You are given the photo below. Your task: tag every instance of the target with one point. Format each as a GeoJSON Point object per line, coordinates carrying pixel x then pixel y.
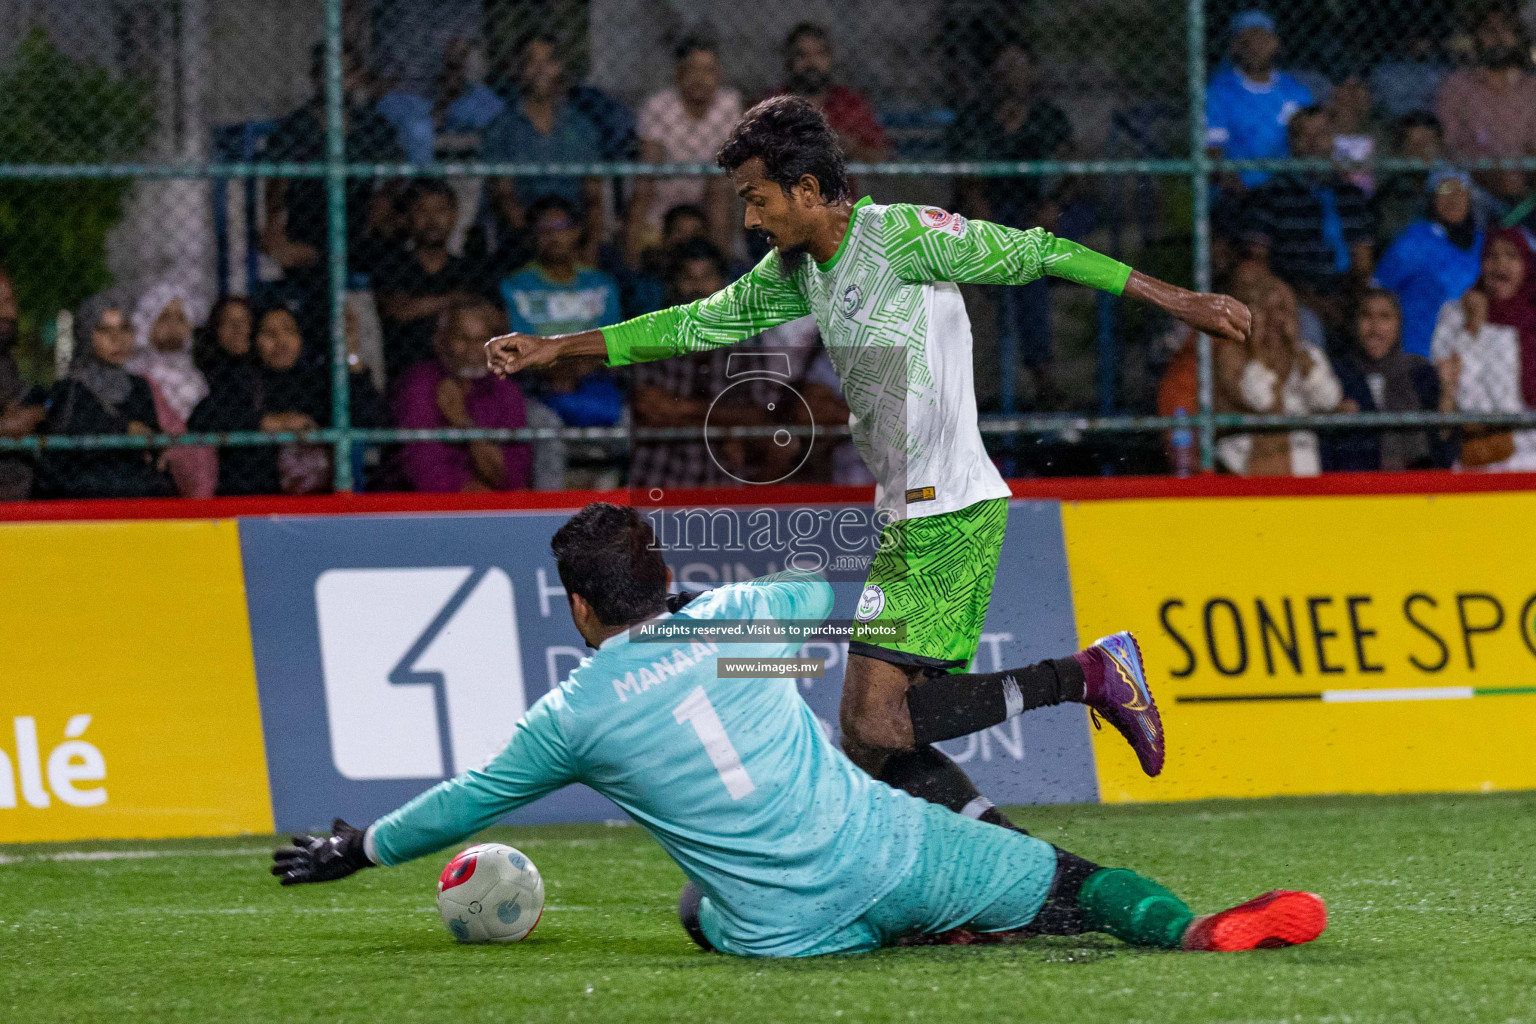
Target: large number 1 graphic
{"type": "Point", "coordinates": [697, 711]}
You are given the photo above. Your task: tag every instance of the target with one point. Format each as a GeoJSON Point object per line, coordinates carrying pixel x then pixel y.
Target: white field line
{"type": "Point", "coordinates": [1413, 693]}
{"type": "Point", "coordinates": [89, 855]}
{"type": "Point", "coordinates": [240, 851]}
{"type": "Point", "coordinates": [278, 910]}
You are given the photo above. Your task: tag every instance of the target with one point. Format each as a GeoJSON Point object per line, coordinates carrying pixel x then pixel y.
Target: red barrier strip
{"type": "Point", "coordinates": [413, 503]}
{"type": "Point", "coordinates": [1059, 488]}
{"type": "Point", "coordinates": [1215, 486]}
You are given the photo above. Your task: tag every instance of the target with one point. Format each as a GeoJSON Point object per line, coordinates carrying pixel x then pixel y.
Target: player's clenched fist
{"type": "Point", "coordinates": [1220, 316]}
{"type": "Point", "coordinates": [509, 353]}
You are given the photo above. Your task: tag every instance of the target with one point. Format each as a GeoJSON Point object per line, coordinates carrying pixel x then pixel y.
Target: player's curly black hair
{"type": "Point", "coordinates": [793, 139]}
{"type": "Point", "coordinates": [608, 554]}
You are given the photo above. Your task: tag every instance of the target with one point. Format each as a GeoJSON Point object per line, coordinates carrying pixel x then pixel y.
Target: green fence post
{"type": "Point", "coordinates": [336, 254]}
{"type": "Point", "coordinates": [1201, 223]}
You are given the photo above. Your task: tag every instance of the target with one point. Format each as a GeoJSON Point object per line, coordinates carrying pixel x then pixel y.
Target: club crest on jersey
{"type": "Point", "coordinates": [943, 220]}
{"type": "Point", "coordinates": [853, 298]}
{"type": "Point", "coordinates": [871, 603]}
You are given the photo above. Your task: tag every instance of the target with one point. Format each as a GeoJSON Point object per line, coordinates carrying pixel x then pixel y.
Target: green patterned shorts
{"type": "Point", "coordinates": [934, 574]}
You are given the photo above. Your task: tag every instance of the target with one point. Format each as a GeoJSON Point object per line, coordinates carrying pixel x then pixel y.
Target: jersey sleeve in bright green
{"type": "Point", "coordinates": [926, 244]}
{"type": "Point", "coordinates": [534, 762]}
{"type": "Point", "coordinates": [761, 299]}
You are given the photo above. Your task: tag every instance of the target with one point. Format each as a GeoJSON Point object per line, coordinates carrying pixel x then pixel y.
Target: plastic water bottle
{"type": "Point", "coordinates": [1182, 440]}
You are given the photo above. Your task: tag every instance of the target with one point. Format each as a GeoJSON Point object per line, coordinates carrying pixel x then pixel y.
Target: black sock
{"type": "Point", "coordinates": [993, 816]}
{"type": "Point", "coordinates": [1062, 914]}
{"type": "Point", "coordinates": [929, 775]}
{"type": "Point", "coordinates": [945, 707]}
{"type": "Point", "coordinates": [688, 915]}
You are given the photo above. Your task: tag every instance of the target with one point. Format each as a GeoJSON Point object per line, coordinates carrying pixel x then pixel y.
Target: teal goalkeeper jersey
{"type": "Point", "coordinates": [733, 777]}
{"type": "Point", "coordinates": [896, 329]}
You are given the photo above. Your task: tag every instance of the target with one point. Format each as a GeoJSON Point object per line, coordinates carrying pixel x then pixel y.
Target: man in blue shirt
{"type": "Point", "coordinates": [540, 126]}
{"type": "Point", "coordinates": [457, 104]}
{"type": "Point", "coordinates": [557, 294]}
{"type": "Point", "coordinates": [789, 849]}
{"type": "Point", "coordinates": [1249, 103]}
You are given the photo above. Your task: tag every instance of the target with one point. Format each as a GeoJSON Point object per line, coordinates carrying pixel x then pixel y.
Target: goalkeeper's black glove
{"type": "Point", "coordinates": [318, 859]}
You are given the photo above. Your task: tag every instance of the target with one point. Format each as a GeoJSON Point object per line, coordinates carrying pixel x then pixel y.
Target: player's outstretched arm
{"type": "Point", "coordinates": [534, 762]}
{"type": "Point", "coordinates": [512, 353]}
{"type": "Point", "coordinates": [1220, 316]}
{"type": "Point", "coordinates": [764, 297]}
{"type": "Point", "coordinates": [927, 244]}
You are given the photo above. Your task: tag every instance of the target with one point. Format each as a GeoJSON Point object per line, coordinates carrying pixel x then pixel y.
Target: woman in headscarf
{"type": "Point", "coordinates": [288, 392]}
{"type": "Point", "coordinates": [222, 347]}
{"type": "Point", "coordinates": [1378, 376]}
{"type": "Point", "coordinates": [1515, 306]}
{"type": "Point", "coordinates": [163, 324]}
{"type": "Point", "coordinates": [1482, 345]}
{"type": "Point", "coordinates": [100, 396]}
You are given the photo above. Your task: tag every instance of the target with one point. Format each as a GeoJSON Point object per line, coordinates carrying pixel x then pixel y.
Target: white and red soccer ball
{"type": "Point", "coordinates": [490, 893]}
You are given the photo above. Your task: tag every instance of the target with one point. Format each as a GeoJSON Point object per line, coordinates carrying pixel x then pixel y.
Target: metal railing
{"type": "Point", "coordinates": [1198, 168]}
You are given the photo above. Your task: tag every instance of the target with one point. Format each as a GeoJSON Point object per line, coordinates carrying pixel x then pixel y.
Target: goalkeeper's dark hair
{"type": "Point", "coordinates": [793, 139]}
{"type": "Point", "coordinates": [608, 554]}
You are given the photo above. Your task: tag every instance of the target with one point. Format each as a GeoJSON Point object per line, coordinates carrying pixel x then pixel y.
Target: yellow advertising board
{"type": "Point", "coordinates": [1319, 645]}
{"type": "Point", "coordinates": [128, 700]}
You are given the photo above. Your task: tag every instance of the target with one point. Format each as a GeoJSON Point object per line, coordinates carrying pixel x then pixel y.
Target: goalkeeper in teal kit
{"type": "Point", "coordinates": [881, 282]}
{"type": "Point", "coordinates": [790, 850]}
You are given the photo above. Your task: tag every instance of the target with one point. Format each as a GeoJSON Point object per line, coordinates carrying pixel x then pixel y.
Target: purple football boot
{"type": "Point", "coordinates": [1116, 689]}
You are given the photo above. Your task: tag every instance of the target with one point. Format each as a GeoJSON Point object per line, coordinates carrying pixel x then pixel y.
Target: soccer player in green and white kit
{"type": "Point", "coordinates": [881, 282]}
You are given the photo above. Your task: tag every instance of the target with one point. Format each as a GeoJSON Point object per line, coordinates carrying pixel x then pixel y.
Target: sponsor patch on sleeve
{"type": "Point", "coordinates": [942, 220]}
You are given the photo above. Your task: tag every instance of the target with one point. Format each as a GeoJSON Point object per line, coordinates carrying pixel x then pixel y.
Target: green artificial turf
{"type": "Point", "coordinates": [1432, 919]}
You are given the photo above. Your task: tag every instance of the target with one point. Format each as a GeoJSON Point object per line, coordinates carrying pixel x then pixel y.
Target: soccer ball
{"type": "Point", "coordinates": [490, 893]}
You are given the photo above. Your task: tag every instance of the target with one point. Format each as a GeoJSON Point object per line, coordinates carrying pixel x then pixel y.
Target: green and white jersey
{"type": "Point", "coordinates": [895, 327]}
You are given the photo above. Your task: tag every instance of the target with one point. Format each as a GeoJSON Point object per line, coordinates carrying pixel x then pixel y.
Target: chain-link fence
{"type": "Point", "coordinates": [254, 248]}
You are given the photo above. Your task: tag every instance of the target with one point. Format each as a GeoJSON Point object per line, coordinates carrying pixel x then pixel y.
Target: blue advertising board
{"type": "Point", "coordinates": [395, 651]}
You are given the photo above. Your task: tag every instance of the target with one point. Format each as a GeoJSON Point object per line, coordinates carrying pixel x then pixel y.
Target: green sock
{"type": "Point", "coordinates": [1133, 909]}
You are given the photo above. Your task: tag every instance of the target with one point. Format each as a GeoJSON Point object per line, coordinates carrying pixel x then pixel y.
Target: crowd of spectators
{"type": "Point", "coordinates": [1376, 292]}
{"type": "Point", "coordinates": [1373, 291]}
{"type": "Point", "coordinates": [436, 267]}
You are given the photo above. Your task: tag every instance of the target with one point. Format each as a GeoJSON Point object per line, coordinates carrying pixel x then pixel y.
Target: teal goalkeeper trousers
{"type": "Point", "coordinates": [967, 874]}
